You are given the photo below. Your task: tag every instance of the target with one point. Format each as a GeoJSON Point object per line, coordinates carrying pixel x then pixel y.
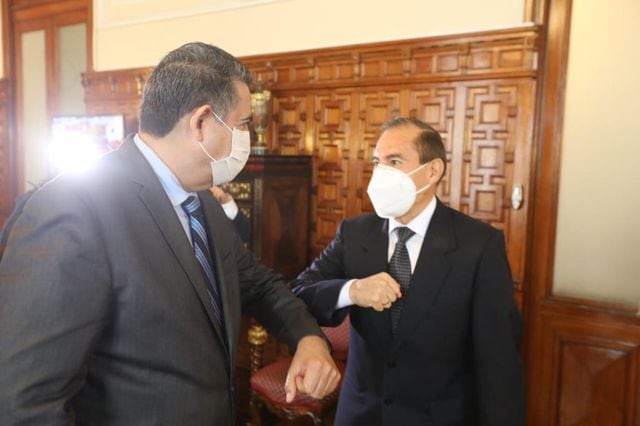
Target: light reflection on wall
{"type": "Point", "coordinates": [78, 141]}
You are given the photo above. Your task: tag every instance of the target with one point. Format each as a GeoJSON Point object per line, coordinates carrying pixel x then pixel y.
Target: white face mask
{"type": "Point", "coordinates": [225, 170]}
{"type": "Point", "coordinates": [392, 191]}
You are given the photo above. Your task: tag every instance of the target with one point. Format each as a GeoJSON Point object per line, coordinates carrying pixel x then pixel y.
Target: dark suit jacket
{"type": "Point", "coordinates": [242, 226]}
{"type": "Point", "coordinates": [104, 315]}
{"type": "Point", "coordinates": [453, 359]}
{"type": "Point", "coordinates": [11, 220]}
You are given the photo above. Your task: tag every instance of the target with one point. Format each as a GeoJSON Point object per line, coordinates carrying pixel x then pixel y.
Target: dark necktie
{"type": "Point", "coordinates": [400, 270]}
{"type": "Point", "coordinates": [191, 206]}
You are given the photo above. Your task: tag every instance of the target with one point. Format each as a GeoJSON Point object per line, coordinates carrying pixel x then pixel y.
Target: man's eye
{"type": "Point", "coordinates": [395, 162]}
{"type": "Point", "coordinates": [243, 126]}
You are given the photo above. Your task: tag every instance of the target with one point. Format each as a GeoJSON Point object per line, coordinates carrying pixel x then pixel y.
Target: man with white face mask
{"type": "Point", "coordinates": [434, 327]}
{"type": "Point", "coordinates": [122, 288]}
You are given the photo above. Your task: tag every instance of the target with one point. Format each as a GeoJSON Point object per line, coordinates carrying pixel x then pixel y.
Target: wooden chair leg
{"type": "Point", "coordinates": [255, 410]}
{"type": "Point", "coordinates": [257, 337]}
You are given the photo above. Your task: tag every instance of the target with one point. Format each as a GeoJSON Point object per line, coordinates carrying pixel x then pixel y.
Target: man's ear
{"type": "Point", "coordinates": [437, 170]}
{"type": "Point", "coordinates": [197, 120]}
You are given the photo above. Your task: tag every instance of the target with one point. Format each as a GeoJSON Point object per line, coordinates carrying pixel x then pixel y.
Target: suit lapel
{"type": "Point", "coordinates": [216, 224]}
{"type": "Point", "coordinates": [375, 247]}
{"type": "Point", "coordinates": [161, 210]}
{"type": "Point", "coordinates": [429, 275]}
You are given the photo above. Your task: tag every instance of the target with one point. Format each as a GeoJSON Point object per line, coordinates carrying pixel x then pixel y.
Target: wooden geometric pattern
{"type": "Point", "coordinates": [592, 392]}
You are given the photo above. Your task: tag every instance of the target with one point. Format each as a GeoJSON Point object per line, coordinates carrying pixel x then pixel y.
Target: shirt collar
{"type": "Point", "coordinates": [418, 224]}
{"type": "Point", "coordinates": [177, 195]}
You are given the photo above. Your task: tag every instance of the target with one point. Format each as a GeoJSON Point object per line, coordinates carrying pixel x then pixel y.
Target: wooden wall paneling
{"type": "Point", "coordinates": [501, 53]}
{"type": "Point", "coordinates": [375, 106]}
{"type": "Point", "coordinates": [116, 92]}
{"type": "Point", "coordinates": [289, 124]}
{"type": "Point", "coordinates": [591, 373]}
{"type": "Point", "coordinates": [496, 155]}
{"type": "Point", "coordinates": [437, 104]}
{"type": "Point", "coordinates": [332, 117]}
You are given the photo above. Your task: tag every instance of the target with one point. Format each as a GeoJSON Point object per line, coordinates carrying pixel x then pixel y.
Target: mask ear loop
{"type": "Point", "coordinates": [220, 120]}
{"type": "Point", "coordinates": [418, 168]}
{"type": "Point", "coordinates": [424, 188]}
{"type": "Point", "coordinates": [225, 125]}
{"type": "Point", "coordinates": [206, 153]}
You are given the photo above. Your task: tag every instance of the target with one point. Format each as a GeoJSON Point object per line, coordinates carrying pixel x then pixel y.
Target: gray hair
{"type": "Point", "coordinates": [188, 77]}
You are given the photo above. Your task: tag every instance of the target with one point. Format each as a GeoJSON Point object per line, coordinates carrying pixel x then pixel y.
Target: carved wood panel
{"type": "Point", "coordinates": [436, 105]}
{"type": "Point", "coordinates": [375, 106]}
{"type": "Point", "coordinates": [495, 154]}
{"type": "Point", "coordinates": [589, 370]}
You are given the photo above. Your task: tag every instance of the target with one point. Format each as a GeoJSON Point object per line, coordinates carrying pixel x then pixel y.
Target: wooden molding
{"type": "Point", "coordinates": [473, 56]}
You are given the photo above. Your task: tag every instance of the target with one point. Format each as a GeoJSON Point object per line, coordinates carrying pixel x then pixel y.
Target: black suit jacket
{"type": "Point", "coordinates": [104, 316]}
{"type": "Point", "coordinates": [453, 359]}
{"type": "Point", "coordinates": [242, 225]}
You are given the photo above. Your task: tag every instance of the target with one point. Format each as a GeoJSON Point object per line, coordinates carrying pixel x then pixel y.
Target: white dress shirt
{"type": "Point", "coordinates": [177, 195]}
{"type": "Point", "coordinates": [419, 225]}
{"type": "Point", "coordinates": [230, 208]}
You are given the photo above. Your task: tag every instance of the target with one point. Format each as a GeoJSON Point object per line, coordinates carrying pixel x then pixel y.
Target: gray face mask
{"type": "Point", "coordinates": [226, 169]}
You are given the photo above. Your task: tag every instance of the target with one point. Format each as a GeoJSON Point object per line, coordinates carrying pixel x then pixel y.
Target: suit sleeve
{"type": "Point", "coordinates": [55, 291]}
{"type": "Point", "coordinates": [265, 295]}
{"type": "Point", "coordinates": [496, 325]}
{"type": "Point", "coordinates": [243, 226]}
{"type": "Point", "coordinates": [319, 285]}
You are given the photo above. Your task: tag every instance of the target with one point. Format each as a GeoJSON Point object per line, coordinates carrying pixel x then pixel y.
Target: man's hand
{"type": "Point", "coordinates": [220, 194]}
{"type": "Point", "coordinates": [378, 291]}
{"type": "Point", "coordinates": [312, 370]}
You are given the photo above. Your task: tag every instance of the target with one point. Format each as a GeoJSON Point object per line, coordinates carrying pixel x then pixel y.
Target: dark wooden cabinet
{"type": "Point", "coordinates": [273, 191]}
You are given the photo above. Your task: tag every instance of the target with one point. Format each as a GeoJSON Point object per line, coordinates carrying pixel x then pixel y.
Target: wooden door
{"type": "Point", "coordinates": [39, 64]}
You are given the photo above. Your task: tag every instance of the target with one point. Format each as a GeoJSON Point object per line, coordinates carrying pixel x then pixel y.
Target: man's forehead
{"type": "Point", "coordinates": [396, 142]}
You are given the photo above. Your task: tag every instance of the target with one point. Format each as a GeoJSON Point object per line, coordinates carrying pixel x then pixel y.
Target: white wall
{"type": "Point", "coordinates": [130, 34]}
{"type": "Point", "coordinates": [598, 238]}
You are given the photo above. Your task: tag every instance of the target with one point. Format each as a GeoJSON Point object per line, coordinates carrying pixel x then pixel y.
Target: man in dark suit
{"type": "Point", "coordinates": [429, 292]}
{"type": "Point", "coordinates": [241, 223]}
{"type": "Point", "coordinates": [122, 287]}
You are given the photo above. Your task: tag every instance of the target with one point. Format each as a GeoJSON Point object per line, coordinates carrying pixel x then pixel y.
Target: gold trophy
{"type": "Point", "coordinates": [260, 110]}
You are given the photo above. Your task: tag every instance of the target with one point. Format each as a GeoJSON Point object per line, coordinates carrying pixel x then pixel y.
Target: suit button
{"type": "Point", "coordinates": [391, 364]}
{"type": "Point", "coordinates": [387, 401]}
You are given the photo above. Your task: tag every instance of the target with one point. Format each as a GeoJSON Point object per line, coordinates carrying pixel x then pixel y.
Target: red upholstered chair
{"type": "Point", "coordinates": [267, 384]}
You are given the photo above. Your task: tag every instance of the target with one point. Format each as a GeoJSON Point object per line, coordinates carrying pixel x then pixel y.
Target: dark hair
{"type": "Point", "coordinates": [428, 143]}
{"type": "Point", "coordinates": [190, 76]}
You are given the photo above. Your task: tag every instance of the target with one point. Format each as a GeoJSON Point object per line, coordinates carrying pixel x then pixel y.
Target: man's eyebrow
{"type": "Point", "coordinates": [245, 120]}
{"type": "Point", "coordinates": [392, 156]}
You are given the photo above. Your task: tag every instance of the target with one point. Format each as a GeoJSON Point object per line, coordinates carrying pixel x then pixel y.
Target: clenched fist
{"type": "Point", "coordinates": [378, 291]}
{"type": "Point", "coordinates": [312, 370]}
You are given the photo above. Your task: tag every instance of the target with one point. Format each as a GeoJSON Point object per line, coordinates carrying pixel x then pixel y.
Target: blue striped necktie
{"type": "Point", "coordinates": [400, 270]}
{"type": "Point", "coordinates": [191, 206]}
